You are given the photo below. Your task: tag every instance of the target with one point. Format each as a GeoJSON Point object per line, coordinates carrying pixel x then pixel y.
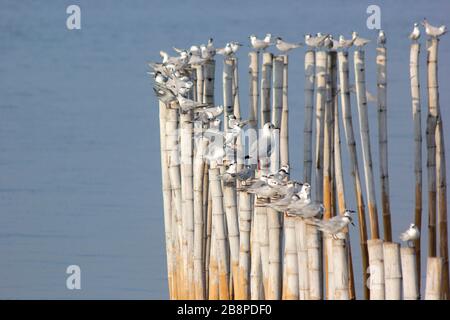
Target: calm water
{"type": "Point", "coordinates": [79, 139]}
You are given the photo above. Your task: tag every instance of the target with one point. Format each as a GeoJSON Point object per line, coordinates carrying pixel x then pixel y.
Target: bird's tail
{"type": "Point", "coordinates": [404, 236]}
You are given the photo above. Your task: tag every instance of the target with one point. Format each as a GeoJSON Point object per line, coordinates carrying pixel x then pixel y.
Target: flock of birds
{"type": "Point", "coordinates": [173, 83]}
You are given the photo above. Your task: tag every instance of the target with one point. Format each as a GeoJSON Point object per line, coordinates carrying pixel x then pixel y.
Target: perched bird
{"type": "Point", "coordinates": [305, 210]}
{"type": "Point", "coordinates": [235, 46]}
{"type": "Point", "coordinates": [284, 46]}
{"type": "Point", "coordinates": [415, 34]}
{"type": "Point", "coordinates": [315, 42]}
{"type": "Point", "coordinates": [432, 31]}
{"type": "Point", "coordinates": [334, 226]}
{"type": "Point", "coordinates": [244, 174]}
{"type": "Point", "coordinates": [381, 38]}
{"type": "Point", "coordinates": [208, 51]}
{"type": "Point", "coordinates": [267, 190]}
{"type": "Point", "coordinates": [410, 235]}
{"type": "Point", "coordinates": [188, 104]}
{"type": "Point", "coordinates": [282, 204]}
{"type": "Point", "coordinates": [229, 175]}
{"type": "Point", "coordinates": [232, 121]}
{"type": "Point", "coordinates": [282, 174]}
{"type": "Point", "coordinates": [226, 51]}
{"type": "Point", "coordinates": [259, 44]}
{"type": "Point", "coordinates": [207, 114]}
{"type": "Point", "coordinates": [345, 44]}
{"type": "Point", "coordinates": [262, 147]}
{"type": "Point", "coordinates": [163, 94]}
{"type": "Point", "coordinates": [358, 41]}
{"type": "Point", "coordinates": [329, 42]}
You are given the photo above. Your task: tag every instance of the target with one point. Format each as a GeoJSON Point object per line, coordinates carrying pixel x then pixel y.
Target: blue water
{"type": "Point", "coordinates": [79, 138]}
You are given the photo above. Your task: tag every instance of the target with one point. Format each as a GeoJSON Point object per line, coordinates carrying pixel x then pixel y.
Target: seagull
{"type": "Point", "coordinates": [283, 173]}
{"type": "Point", "coordinates": [267, 190]}
{"type": "Point", "coordinates": [284, 46]}
{"type": "Point", "coordinates": [207, 114]}
{"type": "Point", "coordinates": [163, 94]}
{"type": "Point", "coordinates": [262, 147]}
{"type": "Point", "coordinates": [232, 121]}
{"type": "Point", "coordinates": [235, 46]}
{"type": "Point", "coordinates": [415, 34]}
{"type": "Point", "coordinates": [229, 174]}
{"type": "Point", "coordinates": [244, 174]}
{"type": "Point", "coordinates": [259, 44]}
{"type": "Point", "coordinates": [345, 44]}
{"type": "Point", "coordinates": [329, 42]}
{"type": "Point", "coordinates": [226, 51]}
{"type": "Point", "coordinates": [315, 42]}
{"type": "Point", "coordinates": [432, 31]}
{"type": "Point", "coordinates": [410, 235]}
{"type": "Point", "coordinates": [208, 51]}
{"type": "Point", "coordinates": [334, 226]}
{"type": "Point", "coordinates": [358, 41]}
{"type": "Point", "coordinates": [305, 210]}
{"type": "Point", "coordinates": [188, 104]}
{"type": "Point", "coordinates": [282, 204]}
{"type": "Point", "coordinates": [381, 38]}
{"type": "Point", "coordinates": [160, 78]}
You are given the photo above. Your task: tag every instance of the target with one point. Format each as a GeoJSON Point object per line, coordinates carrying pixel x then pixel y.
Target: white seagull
{"type": "Point", "coordinates": [410, 235]}
{"type": "Point", "coordinates": [259, 44]}
{"type": "Point", "coordinates": [381, 38]}
{"type": "Point", "coordinates": [432, 31]}
{"type": "Point", "coordinates": [284, 46]}
{"type": "Point", "coordinates": [334, 226]}
{"type": "Point", "coordinates": [358, 41]}
{"type": "Point", "coordinates": [415, 34]}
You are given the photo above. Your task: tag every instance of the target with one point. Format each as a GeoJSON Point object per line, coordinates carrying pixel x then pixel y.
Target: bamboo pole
{"type": "Point", "coordinates": [327, 183]}
{"type": "Point", "coordinates": [263, 239]}
{"type": "Point", "coordinates": [340, 271]}
{"type": "Point", "coordinates": [392, 271]}
{"type": "Point", "coordinates": [417, 116]}
{"type": "Point", "coordinates": [433, 288]}
{"type": "Point", "coordinates": [284, 131]}
{"type": "Point", "coordinates": [314, 262]}
{"type": "Point", "coordinates": [187, 199]}
{"type": "Point", "coordinates": [442, 197]}
{"type": "Point", "coordinates": [290, 272]}
{"type": "Point", "coordinates": [365, 140]}
{"type": "Point", "coordinates": [256, 279]}
{"type": "Point", "coordinates": [213, 282]}
{"type": "Point", "coordinates": [410, 276]}
{"type": "Point", "coordinates": [265, 87]}
{"type": "Point", "coordinates": [245, 221]}
{"type": "Point", "coordinates": [253, 75]}
{"type": "Point", "coordinates": [207, 205]}
{"type": "Point", "coordinates": [383, 140]}
{"type": "Point", "coordinates": [199, 270]}
{"type": "Point", "coordinates": [321, 76]}
{"type": "Point", "coordinates": [433, 113]}
{"type": "Point", "coordinates": [167, 199]}
{"type": "Point", "coordinates": [209, 68]}
{"type": "Point", "coordinates": [302, 259]}
{"type": "Point", "coordinates": [172, 121]}
{"type": "Point", "coordinates": [274, 272]}
{"type": "Point", "coordinates": [341, 199]}
{"type": "Point", "coordinates": [219, 229]}
{"type": "Point", "coordinates": [351, 144]}
{"type": "Point", "coordinates": [308, 122]}
{"type": "Point", "coordinates": [376, 262]}
{"type": "Point", "coordinates": [227, 83]}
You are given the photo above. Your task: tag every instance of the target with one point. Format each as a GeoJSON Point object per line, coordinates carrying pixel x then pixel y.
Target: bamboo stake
{"type": "Point", "coordinates": [321, 76]}
{"type": "Point", "coordinates": [341, 199]}
{"type": "Point", "coordinates": [274, 276]}
{"type": "Point", "coordinates": [277, 105]}
{"type": "Point", "coordinates": [392, 271]}
{"type": "Point", "coordinates": [383, 140]}
{"type": "Point", "coordinates": [207, 205]}
{"type": "Point", "coordinates": [365, 140]}
{"type": "Point", "coordinates": [417, 116]}
{"type": "Point", "coordinates": [213, 271]}
{"type": "Point", "coordinates": [290, 272]}
{"type": "Point", "coordinates": [376, 262]}
{"type": "Point", "coordinates": [340, 271]}
{"type": "Point", "coordinates": [227, 83]}
{"type": "Point", "coordinates": [256, 286]}
{"type": "Point", "coordinates": [351, 144]}
{"type": "Point", "coordinates": [199, 271]}
{"type": "Point", "coordinates": [209, 68]}
{"type": "Point", "coordinates": [327, 184]}
{"type": "Point", "coordinates": [410, 276]}
{"type": "Point", "coordinates": [302, 260]}
{"type": "Point", "coordinates": [433, 113]}
{"type": "Point", "coordinates": [245, 221]}
{"type": "Point", "coordinates": [219, 229]}
{"type": "Point", "coordinates": [265, 87]}
{"type": "Point", "coordinates": [253, 73]}
{"type": "Point", "coordinates": [167, 199]}
{"type": "Point", "coordinates": [314, 262]}
{"type": "Point", "coordinates": [263, 239]}
{"type": "Point", "coordinates": [433, 288]}
{"type": "Point", "coordinates": [442, 197]}
{"type": "Point", "coordinates": [284, 132]}
{"type": "Point", "coordinates": [309, 103]}
{"type": "Point", "coordinates": [187, 198]}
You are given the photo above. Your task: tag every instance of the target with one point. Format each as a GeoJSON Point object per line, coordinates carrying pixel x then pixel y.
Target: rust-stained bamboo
{"type": "Point", "coordinates": [417, 120]}
{"type": "Point", "coordinates": [442, 206]}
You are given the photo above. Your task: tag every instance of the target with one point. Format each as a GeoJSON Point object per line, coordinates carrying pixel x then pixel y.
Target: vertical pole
{"type": "Point", "coordinates": [308, 122]}
{"type": "Point", "coordinates": [433, 288]}
{"type": "Point", "coordinates": [392, 271]}
{"type": "Point", "coordinates": [410, 276]}
{"type": "Point", "coordinates": [376, 262]}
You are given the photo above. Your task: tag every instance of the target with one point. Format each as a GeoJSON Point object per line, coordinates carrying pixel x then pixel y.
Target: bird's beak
{"type": "Point", "coordinates": [352, 223]}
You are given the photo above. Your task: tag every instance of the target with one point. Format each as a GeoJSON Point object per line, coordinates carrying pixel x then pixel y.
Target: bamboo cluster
{"type": "Point", "coordinates": [228, 239]}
